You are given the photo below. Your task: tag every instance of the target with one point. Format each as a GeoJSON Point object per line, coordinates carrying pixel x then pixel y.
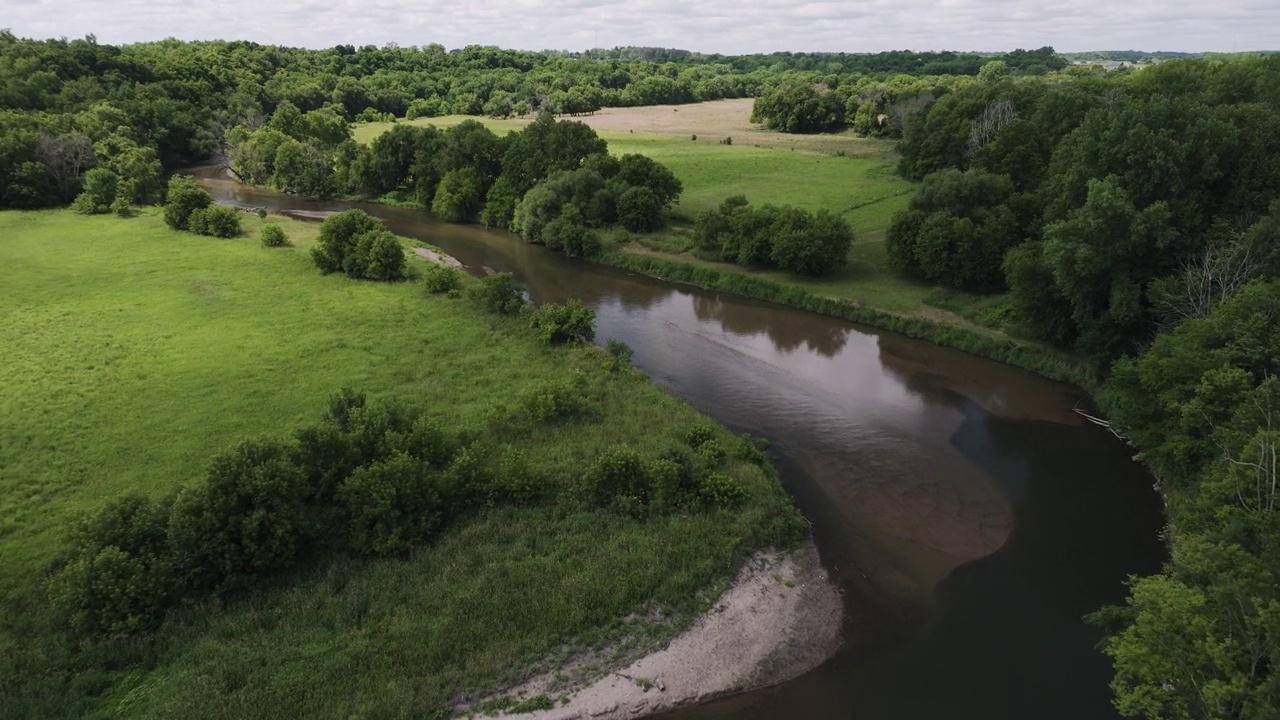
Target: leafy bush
{"type": "Point", "coordinates": [245, 518]}
{"type": "Point", "coordinates": [274, 236]}
{"type": "Point", "coordinates": [711, 454]}
{"type": "Point", "coordinates": [441, 278]}
{"type": "Point", "coordinates": [498, 293]}
{"type": "Point", "coordinates": [339, 235]}
{"type": "Point", "coordinates": [99, 192]}
{"type": "Point", "coordinates": [355, 243]}
{"type": "Point", "coordinates": [720, 489]}
{"type": "Point", "coordinates": [389, 505]}
{"type": "Point", "coordinates": [619, 477]}
{"type": "Point", "coordinates": [556, 400]}
{"type": "Point", "coordinates": [570, 322]}
{"type": "Point", "coordinates": [700, 433]}
{"type": "Point", "coordinates": [184, 197]}
{"type": "Point", "coordinates": [378, 256]}
{"type": "Point", "coordinates": [215, 220]}
{"type": "Point", "coordinates": [120, 575]}
{"type": "Point", "coordinates": [113, 593]}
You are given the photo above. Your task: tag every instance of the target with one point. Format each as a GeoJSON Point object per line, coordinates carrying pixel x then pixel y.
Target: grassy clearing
{"type": "Point", "coordinates": [136, 353]}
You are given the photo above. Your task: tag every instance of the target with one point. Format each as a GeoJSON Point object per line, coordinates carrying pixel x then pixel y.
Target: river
{"type": "Point", "coordinates": [968, 515]}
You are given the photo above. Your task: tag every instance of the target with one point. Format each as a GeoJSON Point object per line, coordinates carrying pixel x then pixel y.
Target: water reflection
{"type": "Point", "coordinates": [968, 515]}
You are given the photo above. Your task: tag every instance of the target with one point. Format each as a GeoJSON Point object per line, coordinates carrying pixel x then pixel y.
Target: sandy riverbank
{"type": "Point", "coordinates": [780, 618]}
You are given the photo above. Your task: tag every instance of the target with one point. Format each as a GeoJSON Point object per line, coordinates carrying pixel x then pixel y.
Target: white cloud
{"type": "Point", "coordinates": [726, 26]}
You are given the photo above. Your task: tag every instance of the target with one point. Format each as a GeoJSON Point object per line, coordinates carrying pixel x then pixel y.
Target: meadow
{"type": "Point", "coordinates": [135, 354]}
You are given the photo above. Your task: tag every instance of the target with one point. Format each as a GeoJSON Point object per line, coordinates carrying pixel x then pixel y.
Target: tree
{"type": "Point", "coordinates": [1103, 256]}
{"type": "Point", "coordinates": [956, 230]}
{"type": "Point", "coordinates": [498, 293]}
{"type": "Point", "coordinates": [99, 192]}
{"type": "Point", "coordinates": [813, 246]}
{"type": "Point", "coordinates": [643, 171]}
{"type": "Point", "coordinates": [459, 195]}
{"type": "Point", "coordinates": [184, 197]}
{"type": "Point", "coordinates": [64, 158]}
{"type": "Point", "coordinates": [640, 209]}
{"type": "Point", "coordinates": [339, 235]}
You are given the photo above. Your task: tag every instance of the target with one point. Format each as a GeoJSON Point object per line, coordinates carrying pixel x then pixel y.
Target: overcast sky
{"type": "Point", "coordinates": [724, 26]}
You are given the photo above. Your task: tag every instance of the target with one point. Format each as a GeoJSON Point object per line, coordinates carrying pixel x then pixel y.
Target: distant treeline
{"type": "Point", "coordinates": [67, 106]}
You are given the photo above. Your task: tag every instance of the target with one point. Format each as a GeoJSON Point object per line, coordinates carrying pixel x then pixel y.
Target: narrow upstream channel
{"type": "Point", "coordinates": [969, 516]}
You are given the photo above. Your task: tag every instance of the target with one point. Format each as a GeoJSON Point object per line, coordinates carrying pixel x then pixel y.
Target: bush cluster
{"type": "Point", "coordinates": [787, 238]}
{"type": "Point", "coordinates": [682, 477]}
{"type": "Point", "coordinates": [215, 220]}
{"type": "Point", "coordinates": [498, 293]}
{"type": "Point", "coordinates": [370, 479]}
{"type": "Point", "coordinates": [570, 322]}
{"type": "Point", "coordinates": [355, 243]}
{"type": "Point", "coordinates": [441, 278]}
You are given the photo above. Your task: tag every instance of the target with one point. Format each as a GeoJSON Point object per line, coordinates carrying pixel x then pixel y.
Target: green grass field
{"type": "Point", "coordinates": [134, 354]}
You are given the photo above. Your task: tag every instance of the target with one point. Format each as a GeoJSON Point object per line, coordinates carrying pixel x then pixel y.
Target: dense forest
{"type": "Point", "coordinates": [1130, 219]}
{"type": "Point", "coordinates": [1133, 220]}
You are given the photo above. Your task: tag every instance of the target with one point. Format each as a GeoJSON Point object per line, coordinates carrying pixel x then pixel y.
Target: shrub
{"type": "Point", "coordinates": [441, 278]}
{"type": "Point", "coordinates": [557, 400]}
{"type": "Point", "coordinates": [215, 220]}
{"type": "Point", "coordinates": [184, 196]}
{"type": "Point", "coordinates": [720, 489]}
{"type": "Point", "coordinates": [245, 518]}
{"type": "Point", "coordinates": [711, 454]}
{"type": "Point", "coordinates": [389, 505]}
{"type": "Point", "coordinates": [120, 577]}
{"type": "Point", "coordinates": [274, 236]}
{"type": "Point", "coordinates": [378, 256]}
{"type": "Point", "coordinates": [700, 433]}
{"type": "Point", "coordinates": [570, 322]}
{"type": "Point", "coordinates": [619, 477]}
{"type": "Point", "coordinates": [112, 592]}
{"type": "Point", "coordinates": [498, 293]}
{"type": "Point", "coordinates": [99, 192]}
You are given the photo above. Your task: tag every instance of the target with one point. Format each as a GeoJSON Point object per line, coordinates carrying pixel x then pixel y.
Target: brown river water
{"type": "Point", "coordinates": [969, 516]}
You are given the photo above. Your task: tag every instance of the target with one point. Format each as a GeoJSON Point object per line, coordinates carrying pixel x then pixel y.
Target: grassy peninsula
{"type": "Point", "coordinates": [136, 354]}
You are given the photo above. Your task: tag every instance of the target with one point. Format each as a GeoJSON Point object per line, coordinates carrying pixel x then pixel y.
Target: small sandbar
{"type": "Point", "coordinates": [779, 619]}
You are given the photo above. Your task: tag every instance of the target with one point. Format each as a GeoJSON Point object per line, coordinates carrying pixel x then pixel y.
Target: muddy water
{"type": "Point", "coordinates": [968, 514]}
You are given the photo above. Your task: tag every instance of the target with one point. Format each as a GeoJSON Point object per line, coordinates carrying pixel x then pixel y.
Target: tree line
{"type": "Point", "coordinates": [1132, 219]}
{"type": "Point", "coordinates": [141, 109]}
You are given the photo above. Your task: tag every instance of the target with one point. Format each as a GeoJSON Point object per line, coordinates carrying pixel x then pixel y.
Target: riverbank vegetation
{"type": "Point", "coordinates": [199, 521]}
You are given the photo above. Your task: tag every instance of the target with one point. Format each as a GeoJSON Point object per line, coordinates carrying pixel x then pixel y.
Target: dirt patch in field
{"type": "Point", "coordinates": [714, 121]}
